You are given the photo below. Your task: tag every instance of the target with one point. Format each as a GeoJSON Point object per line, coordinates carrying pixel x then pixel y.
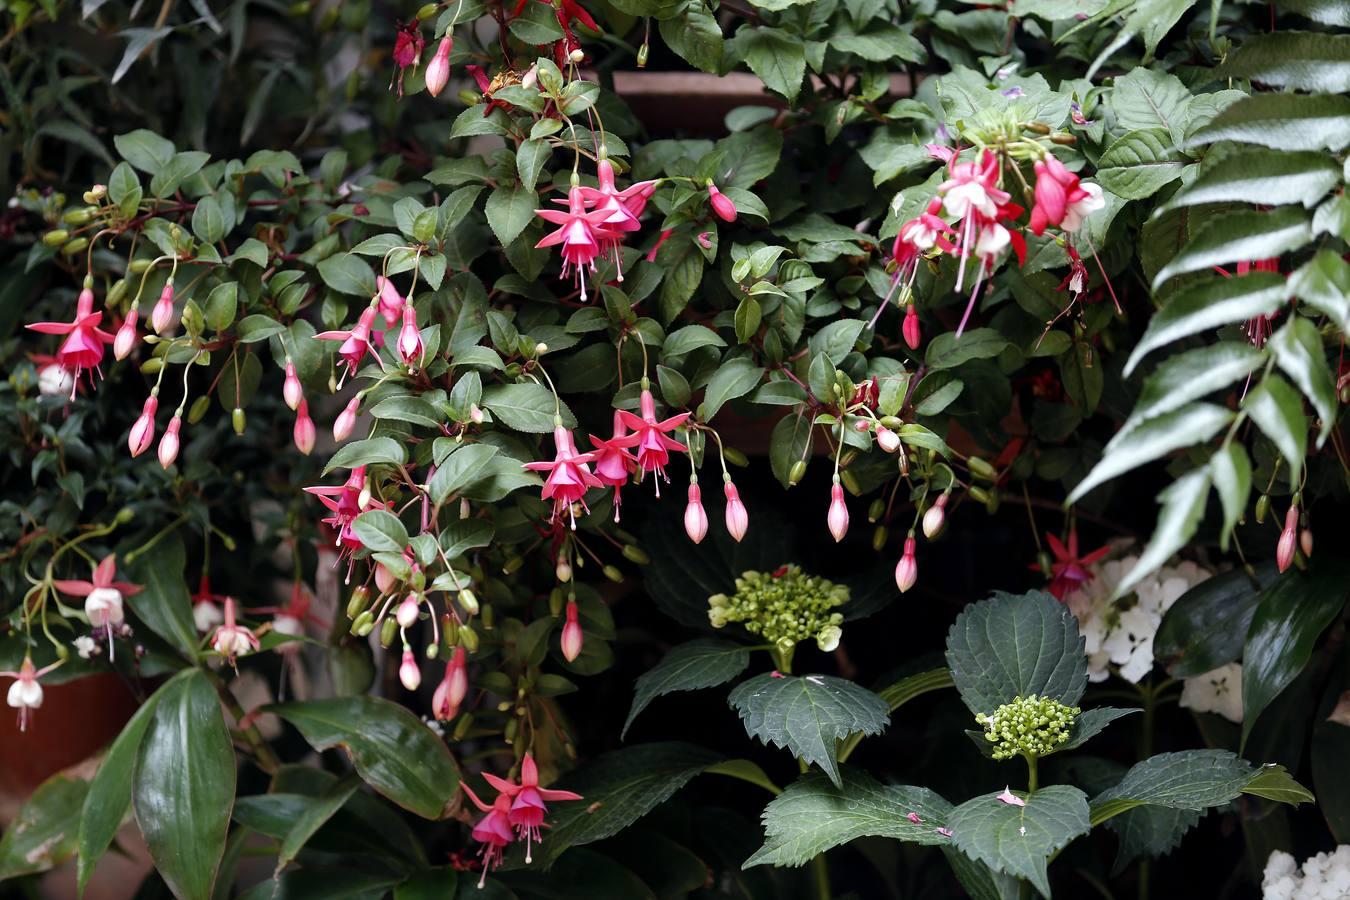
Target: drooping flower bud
{"type": "Point", "coordinates": [838, 515]}
{"type": "Point", "coordinates": [695, 518]}
{"type": "Point", "coordinates": [572, 637]}
{"type": "Point", "coordinates": [168, 445]}
{"type": "Point", "coordinates": [291, 389]}
{"type": "Point", "coordinates": [161, 317]}
{"type": "Point", "coordinates": [143, 430]}
{"type": "Point", "coordinates": [438, 70]}
{"type": "Point", "coordinates": [408, 611]}
{"type": "Point", "coordinates": [737, 517]}
{"type": "Point", "coordinates": [408, 671]}
{"type": "Point", "coordinates": [126, 335]}
{"type": "Point", "coordinates": [384, 579]}
{"type": "Point", "coordinates": [910, 328]}
{"type": "Point", "coordinates": [721, 204]}
{"type": "Point", "coordinates": [346, 420]}
{"type": "Point", "coordinates": [887, 440]}
{"type": "Point", "coordinates": [1284, 550]}
{"type": "Point", "coordinates": [1305, 542]}
{"type": "Point", "coordinates": [907, 570]}
{"type": "Point", "coordinates": [935, 518]}
{"type": "Point", "coordinates": [305, 432]}
{"type": "Point", "coordinates": [563, 570]}
{"type": "Point", "coordinates": [410, 339]}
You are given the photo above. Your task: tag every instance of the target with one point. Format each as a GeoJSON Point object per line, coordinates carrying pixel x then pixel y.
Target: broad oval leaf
{"type": "Point", "coordinates": [381, 531]}
{"type": "Point", "coordinates": [526, 407]}
{"type": "Point", "coordinates": [947, 351]}
{"type": "Point", "coordinates": [734, 379]}
{"type": "Point", "coordinates": [1019, 840]}
{"type": "Point", "coordinates": [1140, 163]}
{"type": "Point", "coordinates": [367, 453]}
{"type": "Point", "coordinates": [701, 663]}
{"type": "Point", "coordinates": [1206, 627]}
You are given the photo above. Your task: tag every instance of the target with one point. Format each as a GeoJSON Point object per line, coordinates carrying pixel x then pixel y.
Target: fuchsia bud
{"type": "Point", "coordinates": [162, 315]}
{"type": "Point", "coordinates": [1284, 551]}
{"type": "Point", "coordinates": [737, 517]}
{"type": "Point", "coordinates": [346, 420]}
{"type": "Point", "coordinates": [887, 440]}
{"type": "Point", "coordinates": [407, 613]}
{"type": "Point", "coordinates": [910, 328]}
{"type": "Point", "coordinates": [721, 204]}
{"type": "Point", "coordinates": [451, 691]}
{"type": "Point", "coordinates": [907, 570]}
{"type": "Point", "coordinates": [291, 389]}
{"type": "Point", "coordinates": [168, 445]}
{"type": "Point", "coordinates": [384, 579]}
{"type": "Point", "coordinates": [143, 430]}
{"type": "Point", "coordinates": [572, 637]}
{"type": "Point", "coordinates": [1305, 542]}
{"type": "Point", "coordinates": [438, 70]}
{"type": "Point", "coordinates": [408, 671]}
{"type": "Point", "coordinates": [305, 432]}
{"type": "Point", "coordinates": [390, 300]}
{"type": "Point", "coordinates": [409, 338]}
{"type": "Point", "coordinates": [935, 518]}
{"type": "Point", "coordinates": [838, 515]}
{"type": "Point", "coordinates": [126, 335]}
{"type": "Point", "coordinates": [695, 519]}
{"type": "Point", "coordinates": [705, 240]}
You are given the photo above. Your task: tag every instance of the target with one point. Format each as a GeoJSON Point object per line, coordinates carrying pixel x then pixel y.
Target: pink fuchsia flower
{"type": "Point", "coordinates": [907, 570]}
{"type": "Point", "coordinates": [838, 514]}
{"type": "Point", "coordinates": [161, 316]}
{"type": "Point", "coordinates": [25, 694]}
{"type": "Point", "coordinates": [54, 380]}
{"type": "Point", "coordinates": [410, 339]}
{"type": "Point", "coordinates": [650, 436]}
{"type": "Point", "coordinates": [910, 329]}
{"type": "Point", "coordinates": [721, 204]}
{"type": "Point", "coordinates": [569, 476]}
{"type": "Point", "coordinates": [102, 596]}
{"type": "Point", "coordinates": [453, 688]}
{"type": "Point", "coordinates": [936, 517]}
{"type": "Point", "coordinates": [346, 502]}
{"type": "Point", "coordinates": [409, 673]}
{"type": "Point", "coordinates": [408, 44]}
{"type": "Point", "coordinates": [126, 335]}
{"type": "Point", "coordinates": [695, 518]}
{"type": "Point", "coordinates": [613, 462]}
{"type": "Point", "coordinates": [736, 515]}
{"type": "Point", "coordinates": [83, 347]}
{"type": "Point", "coordinates": [579, 232]}
{"type": "Point", "coordinates": [572, 637]}
{"type": "Point", "coordinates": [170, 442]}
{"type": "Point", "coordinates": [621, 209]}
{"type": "Point", "coordinates": [1054, 186]}
{"type": "Point", "coordinates": [438, 70]}
{"type": "Point", "coordinates": [1284, 549]}
{"type": "Point", "coordinates": [1070, 571]}
{"type": "Point", "coordinates": [915, 239]}
{"type": "Point", "coordinates": [1082, 207]}
{"type": "Point", "coordinates": [304, 433]}
{"type": "Point", "coordinates": [231, 639]}
{"type": "Point", "coordinates": [1010, 798]}
{"type": "Point", "coordinates": [528, 805]}
{"type": "Point", "coordinates": [345, 423]}
{"type": "Point", "coordinates": [355, 343]}
{"type": "Point", "coordinates": [389, 300]}
{"type": "Point", "coordinates": [494, 830]}
{"type": "Point", "coordinates": [142, 433]}
{"type": "Point", "coordinates": [291, 389]}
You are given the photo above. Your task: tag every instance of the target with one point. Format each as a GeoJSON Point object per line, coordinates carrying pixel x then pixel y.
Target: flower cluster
{"type": "Point", "coordinates": [516, 814]}
{"type": "Point", "coordinates": [1325, 876]}
{"type": "Point", "coordinates": [1028, 726]}
{"type": "Point", "coordinates": [785, 606]}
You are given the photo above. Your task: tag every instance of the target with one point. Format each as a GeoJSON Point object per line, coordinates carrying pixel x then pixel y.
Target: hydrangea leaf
{"type": "Point", "coordinates": [1019, 840]}
{"type": "Point", "coordinates": [701, 663]}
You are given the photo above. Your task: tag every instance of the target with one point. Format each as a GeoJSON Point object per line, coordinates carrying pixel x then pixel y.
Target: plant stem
{"type": "Point", "coordinates": [820, 870]}
{"type": "Point", "coordinates": [267, 760]}
{"type": "Point", "coordinates": [1032, 775]}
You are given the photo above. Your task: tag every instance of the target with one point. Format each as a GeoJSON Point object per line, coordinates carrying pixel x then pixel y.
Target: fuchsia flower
{"type": "Point", "coordinates": [304, 432]}
{"type": "Point", "coordinates": [907, 570]}
{"type": "Point", "coordinates": [569, 476]}
{"type": "Point", "coordinates": [936, 517]}
{"type": "Point", "coordinates": [910, 328]}
{"type": "Point", "coordinates": [25, 694]}
{"type": "Point", "coordinates": [524, 810]}
{"type": "Point", "coordinates": [345, 423]}
{"type": "Point", "coordinates": [408, 44]}
{"type": "Point", "coordinates": [887, 440]}
{"type": "Point", "coordinates": [143, 429]}
{"type": "Point", "coordinates": [170, 443]}
{"type": "Point", "coordinates": [1284, 549]}
{"type": "Point", "coordinates": [1069, 571]}
{"type": "Point", "coordinates": [649, 436]}
{"type": "Point", "coordinates": [438, 70]}
{"type": "Point", "coordinates": [736, 515]}
{"type": "Point", "coordinates": [83, 347]}
{"type": "Point", "coordinates": [126, 335]}
{"type": "Point", "coordinates": [580, 233]}
{"type": "Point", "coordinates": [493, 831]}
{"type": "Point", "coordinates": [390, 301]}
{"type": "Point", "coordinates": [206, 614]}
{"type": "Point", "coordinates": [410, 339]}
{"type": "Point", "coordinates": [721, 204]}
{"type": "Point", "coordinates": [409, 673]}
{"type": "Point", "coordinates": [291, 389]}
{"type": "Point", "coordinates": [572, 637]}
{"type": "Point", "coordinates": [355, 343]}
{"type": "Point", "coordinates": [838, 515]}
{"type": "Point", "coordinates": [613, 463]}
{"type": "Point", "coordinates": [161, 317]}
{"type": "Point", "coordinates": [695, 518]}
{"type": "Point", "coordinates": [232, 640]}
{"type": "Point", "coordinates": [914, 240]}
{"type": "Point", "coordinates": [102, 596]}
{"type": "Point", "coordinates": [451, 691]}
{"type": "Point", "coordinates": [346, 502]}
{"type": "Point", "coordinates": [621, 209]}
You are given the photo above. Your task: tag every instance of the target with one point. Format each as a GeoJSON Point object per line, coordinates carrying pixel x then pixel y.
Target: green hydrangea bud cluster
{"type": "Point", "coordinates": [1028, 726]}
{"type": "Point", "coordinates": [785, 606]}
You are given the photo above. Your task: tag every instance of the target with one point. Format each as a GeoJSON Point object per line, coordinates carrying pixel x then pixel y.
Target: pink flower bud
{"type": "Point", "coordinates": [346, 420]}
{"type": "Point", "coordinates": [407, 613]}
{"type": "Point", "coordinates": [168, 445]}
{"type": "Point", "coordinates": [291, 389]}
{"type": "Point", "coordinates": [161, 317]}
{"type": "Point", "coordinates": [451, 691]}
{"type": "Point", "coordinates": [910, 328]}
{"type": "Point", "coordinates": [907, 570]}
{"type": "Point", "coordinates": [1284, 550]}
{"type": "Point", "coordinates": [705, 240]}
{"type": "Point", "coordinates": [838, 515]}
{"type": "Point", "coordinates": [935, 518]}
{"type": "Point", "coordinates": [572, 637]}
{"type": "Point", "coordinates": [390, 300]}
{"type": "Point", "coordinates": [409, 338]}
{"type": "Point", "coordinates": [862, 426]}
{"type": "Point", "coordinates": [721, 204]}
{"type": "Point", "coordinates": [384, 579]}
{"type": "Point", "coordinates": [530, 78]}
{"type": "Point", "coordinates": [476, 414]}
{"type": "Point", "coordinates": [143, 430]}
{"type": "Point", "coordinates": [438, 70]}
{"type": "Point", "coordinates": [459, 678]}
{"type": "Point", "coordinates": [737, 517]}
{"type": "Point", "coordinates": [887, 440]}
{"type": "Point", "coordinates": [126, 336]}
{"type": "Point", "coordinates": [1305, 542]}
{"type": "Point", "coordinates": [305, 432]}
{"type": "Point", "coordinates": [695, 519]}
{"type": "Point", "coordinates": [408, 671]}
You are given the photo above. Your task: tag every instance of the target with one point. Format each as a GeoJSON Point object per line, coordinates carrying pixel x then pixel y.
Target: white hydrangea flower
{"type": "Point", "coordinates": [1218, 691]}
{"type": "Point", "coordinates": [1325, 876]}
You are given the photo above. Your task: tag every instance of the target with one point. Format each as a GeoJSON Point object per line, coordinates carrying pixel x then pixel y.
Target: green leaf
{"type": "Point", "coordinates": [1282, 122]}
{"type": "Point", "coordinates": [368, 452]}
{"type": "Point", "coordinates": [440, 883]}
{"type": "Point", "coordinates": [509, 209]}
{"type": "Point", "coordinates": [1209, 305]}
{"type": "Point", "coordinates": [1149, 831]}
{"type": "Point", "coordinates": [1298, 352]}
{"type": "Point", "coordinates": [690, 666]}
{"type": "Point", "coordinates": [1277, 410]}
{"type": "Point", "coordinates": [1291, 616]}
{"type": "Point", "coordinates": [778, 58]}
{"type": "Point", "coordinates": [1275, 783]}
{"type": "Point", "coordinates": [347, 273]}
{"type": "Point", "coordinates": [617, 789]}
{"type": "Point", "coordinates": [814, 815]}
{"type": "Point", "coordinates": [694, 34]}
{"type": "Point", "coordinates": [734, 379]}
{"type": "Point", "coordinates": [179, 168]}
{"type": "Point", "coordinates": [208, 222]}
{"type": "Point", "coordinates": [1239, 236]}
{"type": "Point", "coordinates": [1016, 645]}
{"type": "Point", "coordinates": [183, 786]}
{"type": "Point", "coordinates": [463, 535]}
{"type": "Point", "coordinates": [1144, 99]}
{"type": "Point", "coordinates": [1192, 375]}
{"type": "Point", "coordinates": [1206, 627]}
{"type": "Point", "coordinates": [42, 835]}
{"type": "Point", "coordinates": [526, 407]}
{"type": "Point", "coordinates": [163, 603]}
{"type": "Point", "coordinates": [392, 750]}
{"type": "Point", "coordinates": [690, 338]}
{"type": "Point", "coordinates": [408, 408]}
{"type": "Point", "coordinates": [1298, 60]}
{"type": "Point", "coordinates": [1323, 282]}
{"type": "Point", "coordinates": [1154, 439]}
{"type": "Point", "coordinates": [1140, 163]}
{"type": "Point", "coordinates": [1183, 506]}
{"type": "Point", "coordinates": [109, 797]}
{"type": "Point", "coordinates": [946, 351]}
{"type": "Point", "coordinates": [1191, 779]}
{"type": "Point", "coordinates": [1231, 471]}
{"type": "Point", "coordinates": [808, 714]}
{"type": "Point", "coordinates": [124, 189]}
{"type": "Point", "coordinates": [1019, 840]}
{"type": "Point", "coordinates": [747, 318]}
{"type": "Point", "coordinates": [530, 159]}
{"type": "Point", "coordinates": [1092, 722]}
{"type": "Point", "coordinates": [881, 43]}
{"type": "Point", "coordinates": [459, 470]}
{"type": "Point", "coordinates": [222, 304]}
{"type": "Point", "coordinates": [788, 443]}
{"type": "Point", "coordinates": [258, 327]}
{"type": "Point", "coordinates": [144, 149]}
{"type": "Point", "coordinates": [836, 339]}
{"type": "Point", "coordinates": [314, 816]}
{"type": "Point", "coordinates": [381, 531]}
{"type": "Point", "coordinates": [1273, 176]}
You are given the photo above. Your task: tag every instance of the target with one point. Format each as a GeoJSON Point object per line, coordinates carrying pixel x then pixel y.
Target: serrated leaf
{"type": "Point", "coordinates": [526, 407]}
{"type": "Point", "coordinates": [1149, 831]}
{"type": "Point", "coordinates": [1183, 506]}
{"type": "Point", "coordinates": [694, 34]}
{"type": "Point", "coordinates": [1152, 440]}
{"type": "Point", "coordinates": [1092, 722]}
{"type": "Point", "coordinates": [1210, 305]}
{"type": "Point", "coordinates": [367, 452]}
{"type": "Point", "coordinates": [1019, 840]}
{"type": "Point", "coordinates": [459, 470]}
{"type": "Point", "coordinates": [1144, 99]}
{"type": "Point", "coordinates": [777, 57]}
{"type": "Point", "coordinates": [1276, 409]}
{"type": "Point", "coordinates": [1323, 282]}
{"type": "Point", "coordinates": [1191, 375]}
{"type": "Point", "coordinates": [1299, 60]}
{"type": "Point", "coordinates": [1282, 122]}
{"type": "Point", "coordinates": [813, 815]}
{"type": "Point", "coordinates": [1274, 177]}
{"type": "Point", "coordinates": [1298, 352]}
{"type": "Point", "coordinates": [808, 714]}
{"type": "Point", "coordinates": [509, 209]}
{"type": "Point", "coordinates": [1190, 779]}
{"type": "Point", "coordinates": [1239, 236]}
{"type": "Point", "coordinates": [1140, 163]}
{"type": "Point", "coordinates": [689, 667]}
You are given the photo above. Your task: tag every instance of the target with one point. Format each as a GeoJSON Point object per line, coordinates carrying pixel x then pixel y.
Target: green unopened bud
{"type": "Point", "coordinates": [469, 600]}
{"type": "Point", "coordinates": [462, 727]}
{"type": "Point", "coordinates": [362, 624]}
{"type": "Point", "coordinates": [488, 615]}
{"type": "Point", "coordinates": [512, 565]}
{"type": "Point", "coordinates": [468, 638]}
{"type": "Point", "coordinates": [75, 246]}
{"type": "Point", "coordinates": [797, 472]}
{"type": "Point", "coordinates": [1262, 508]}
{"type": "Point", "coordinates": [139, 266]}
{"type": "Point", "coordinates": [117, 292]}
{"type": "Point", "coordinates": [417, 580]}
{"type": "Point", "coordinates": [56, 237]}
{"type": "Point", "coordinates": [979, 495]}
{"type": "Point", "coordinates": [238, 420]}
{"type": "Point", "coordinates": [198, 409]}
{"type": "Point", "coordinates": [450, 628]}
{"type": "Point", "coordinates": [555, 602]}
{"type": "Point", "coordinates": [387, 631]}
{"type": "Point", "coordinates": [891, 422]}
{"type": "Point", "coordinates": [879, 536]}
{"type": "Point", "coordinates": [876, 509]}
{"type": "Point", "coordinates": [469, 98]}
{"type": "Point", "coordinates": [850, 482]}
{"type": "Point", "coordinates": [1045, 563]}
{"type": "Point", "coordinates": [509, 732]}
{"type": "Point", "coordinates": [981, 469]}
{"type": "Point", "coordinates": [152, 366]}
{"type": "Point", "coordinates": [634, 553]}
{"type": "Point", "coordinates": [433, 651]}
{"type": "Point", "coordinates": [735, 457]}
{"type": "Point", "coordinates": [428, 11]}
{"type": "Point", "coordinates": [76, 216]}
{"type": "Point", "coordinates": [96, 193]}
{"type": "Point", "coordinates": [124, 515]}
{"type": "Point", "coordinates": [360, 599]}
{"type": "Point", "coordinates": [1028, 726]}
{"type": "Point", "coordinates": [613, 573]}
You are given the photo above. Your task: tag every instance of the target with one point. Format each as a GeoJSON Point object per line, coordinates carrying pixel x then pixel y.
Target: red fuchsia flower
{"type": "Point", "coordinates": [161, 316]}
{"type": "Point", "coordinates": [346, 502]}
{"type": "Point", "coordinates": [837, 518]}
{"type": "Point", "coordinates": [915, 239]}
{"type": "Point", "coordinates": [408, 44]}
{"type": "Point", "coordinates": [25, 694]}
{"type": "Point", "coordinates": [935, 518]}
{"type": "Point", "coordinates": [867, 394]}
{"type": "Point", "coordinates": [126, 336]}
{"type": "Point", "coordinates": [345, 423]}
{"type": "Point", "coordinates": [206, 614]}
{"type": "Point", "coordinates": [650, 436]}
{"type": "Point", "coordinates": [170, 442]}
{"type": "Point", "coordinates": [305, 432]}
{"type": "Point", "coordinates": [355, 343]}
{"type": "Point", "coordinates": [291, 389]}
{"type": "Point", "coordinates": [410, 339]}
{"type": "Point", "coordinates": [580, 233]}
{"type": "Point", "coordinates": [721, 204]}
{"type": "Point", "coordinates": [528, 803]}
{"type": "Point", "coordinates": [736, 515]}
{"type": "Point", "coordinates": [569, 476]}
{"type": "Point", "coordinates": [142, 433]}
{"type": "Point", "coordinates": [232, 640]}
{"type": "Point", "coordinates": [619, 208]}
{"type": "Point", "coordinates": [1055, 185]}
{"type": "Point", "coordinates": [102, 596]}
{"type": "Point", "coordinates": [911, 329]}
{"type": "Point", "coordinates": [493, 831]}
{"type": "Point", "coordinates": [972, 196]}
{"type": "Point", "coordinates": [83, 347]}
{"type": "Point", "coordinates": [572, 637]}
{"type": "Point", "coordinates": [389, 300]}
{"type": "Point", "coordinates": [1284, 550]}
{"type": "Point", "coordinates": [438, 70]}
{"type": "Point", "coordinates": [1069, 571]}
{"type": "Point", "coordinates": [409, 673]}
{"type": "Point", "coordinates": [613, 463]}
{"type": "Point", "coordinates": [695, 518]}
{"type": "Point", "coordinates": [451, 691]}
{"type": "Point", "coordinates": [907, 570]}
